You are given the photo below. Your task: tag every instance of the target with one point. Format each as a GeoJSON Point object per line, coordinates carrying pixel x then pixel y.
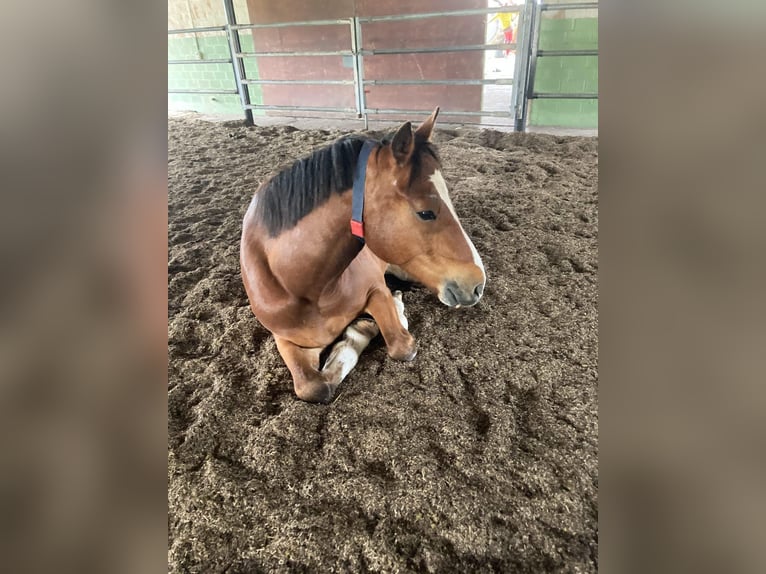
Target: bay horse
{"type": "Point", "coordinates": [318, 237]}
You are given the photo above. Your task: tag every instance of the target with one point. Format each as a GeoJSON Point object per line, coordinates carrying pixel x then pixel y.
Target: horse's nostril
{"type": "Point", "coordinates": [451, 294]}
{"type": "Point", "coordinates": [455, 296]}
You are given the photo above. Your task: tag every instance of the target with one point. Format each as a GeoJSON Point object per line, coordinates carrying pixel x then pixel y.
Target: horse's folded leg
{"type": "Point", "coordinates": [345, 353]}
{"type": "Point", "coordinates": [317, 386]}
{"type": "Point", "coordinates": [388, 312]}
{"type": "Point", "coordinates": [310, 384]}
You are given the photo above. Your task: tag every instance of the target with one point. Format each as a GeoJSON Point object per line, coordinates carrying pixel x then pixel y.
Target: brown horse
{"type": "Point", "coordinates": [309, 275]}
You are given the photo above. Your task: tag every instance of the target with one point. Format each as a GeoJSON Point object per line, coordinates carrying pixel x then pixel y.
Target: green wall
{"type": "Point", "coordinates": [209, 46]}
{"type": "Point", "coordinates": [566, 74]}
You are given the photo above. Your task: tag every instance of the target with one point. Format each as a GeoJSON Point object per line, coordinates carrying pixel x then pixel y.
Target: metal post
{"type": "Point", "coordinates": [518, 102]}
{"type": "Point", "coordinates": [356, 39]}
{"type": "Point", "coordinates": [520, 68]}
{"type": "Point", "coordinates": [355, 55]}
{"type": "Point", "coordinates": [239, 66]}
{"type": "Point", "coordinates": [533, 49]}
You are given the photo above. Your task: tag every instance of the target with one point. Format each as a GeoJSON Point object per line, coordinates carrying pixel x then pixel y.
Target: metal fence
{"type": "Point", "coordinates": [522, 83]}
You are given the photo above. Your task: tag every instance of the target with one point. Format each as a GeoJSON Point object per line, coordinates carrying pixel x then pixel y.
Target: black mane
{"type": "Point", "coordinates": [299, 188]}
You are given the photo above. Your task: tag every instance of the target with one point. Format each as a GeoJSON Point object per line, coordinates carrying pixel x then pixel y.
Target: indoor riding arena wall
{"type": "Point", "coordinates": [185, 14]}
{"type": "Point", "coordinates": [441, 31]}
{"type": "Point", "coordinates": [567, 29]}
{"type": "Point", "coordinates": [429, 32]}
{"type": "Point", "coordinates": [478, 456]}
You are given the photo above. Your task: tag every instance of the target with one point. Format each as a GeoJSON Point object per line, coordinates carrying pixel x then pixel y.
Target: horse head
{"type": "Point", "coordinates": [411, 222]}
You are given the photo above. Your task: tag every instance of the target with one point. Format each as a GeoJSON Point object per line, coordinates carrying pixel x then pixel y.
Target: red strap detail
{"type": "Point", "coordinates": [357, 229]}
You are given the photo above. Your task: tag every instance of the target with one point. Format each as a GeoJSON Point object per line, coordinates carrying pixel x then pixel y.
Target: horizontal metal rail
{"type": "Point", "coordinates": [567, 52]}
{"type": "Point", "coordinates": [441, 112]}
{"type": "Point", "coordinates": [290, 24]}
{"type": "Point", "coordinates": [203, 92]}
{"type": "Point", "coordinates": [357, 51]}
{"type": "Point", "coordinates": [438, 49]}
{"type": "Point", "coordinates": [301, 108]}
{"type": "Point", "coordinates": [269, 54]}
{"type": "Point", "coordinates": [570, 6]}
{"type": "Point", "coordinates": [218, 61]}
{"type": "Point", "coordinates": [498, 81]}
{"type": "Point", "coordinates": [470, 12]}
{"type": "Point", "coordinates": [198, 30]}
{"type": "Point", "coordinates": [562, 96]}
{"type": "Point", "coordinates": [302, 82]}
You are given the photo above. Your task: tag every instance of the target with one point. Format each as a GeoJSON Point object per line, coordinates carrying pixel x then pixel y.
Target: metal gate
{"type": "Point", "coordinates": [522, 84]}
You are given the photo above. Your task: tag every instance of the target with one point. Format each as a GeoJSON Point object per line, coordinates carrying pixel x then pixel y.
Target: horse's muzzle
{"type": "Point", "coordinates": [453, 294]}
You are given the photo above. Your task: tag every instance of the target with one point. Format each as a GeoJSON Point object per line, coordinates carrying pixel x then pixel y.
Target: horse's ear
{"type": "Point", "coordinates": [425, 129]}
{"type": "Point", "coordinates": [403, 143]}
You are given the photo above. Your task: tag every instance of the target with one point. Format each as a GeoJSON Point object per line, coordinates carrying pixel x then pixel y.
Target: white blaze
{"type": "Point", "coordinates": [441, 187]}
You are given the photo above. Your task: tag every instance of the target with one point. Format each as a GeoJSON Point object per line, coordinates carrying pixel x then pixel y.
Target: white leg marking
{"type": "Point", "coordinates": [399, 304]}
{"type": "Point", "coordinates": [344, 358]}
{"type": "Point", "coordinates": [345, 354]}
{"type": "Point", "coordinates": [441, 187]}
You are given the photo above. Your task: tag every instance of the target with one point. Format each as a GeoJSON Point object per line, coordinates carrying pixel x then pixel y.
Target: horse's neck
{"type": "Point", "coordinates": [312, 256]}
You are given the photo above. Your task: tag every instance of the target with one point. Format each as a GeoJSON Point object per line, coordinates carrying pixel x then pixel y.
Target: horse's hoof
{"type": "Point", "coordinates": [411, 356]}
{"type": "Point", "coordinates": [405, 355]}
{"type": "Point", "coordinates": [406, 358]}
{"type": "Point", "coordinates": [316, 392]}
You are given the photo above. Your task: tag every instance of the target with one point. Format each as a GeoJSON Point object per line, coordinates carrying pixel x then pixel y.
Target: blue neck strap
{"type": "Point", "coordinates": [357, 199]}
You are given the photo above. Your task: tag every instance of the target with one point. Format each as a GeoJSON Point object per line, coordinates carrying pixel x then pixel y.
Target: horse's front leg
{"type": "Point", "coordinates": [388, 312]}
{"type": "Point", "coordinates": [318, 386]}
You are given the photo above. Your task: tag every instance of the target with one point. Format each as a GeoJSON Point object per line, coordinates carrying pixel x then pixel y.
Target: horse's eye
{"type": "Point", "coordinates": [426, 215]}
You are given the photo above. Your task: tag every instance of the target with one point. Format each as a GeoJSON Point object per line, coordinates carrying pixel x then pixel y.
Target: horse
{"type": "Point", "coordinates": [319, 236]}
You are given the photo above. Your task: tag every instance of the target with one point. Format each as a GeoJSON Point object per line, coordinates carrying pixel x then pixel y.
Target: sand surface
{"type": "Point", "coordinates": [479, 456]}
